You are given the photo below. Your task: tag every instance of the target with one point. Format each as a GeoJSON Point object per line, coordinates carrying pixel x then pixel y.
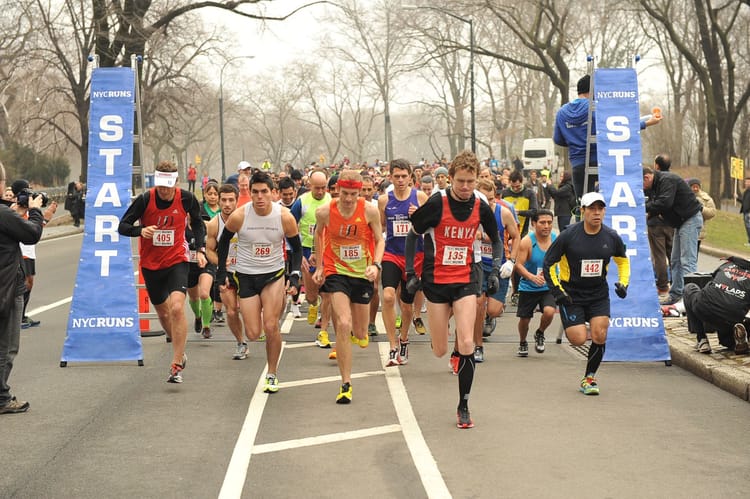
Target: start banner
{"type": "Point", "coordinates": [103, 322]}
{"type": "Point", "coordinates": [636, 328]}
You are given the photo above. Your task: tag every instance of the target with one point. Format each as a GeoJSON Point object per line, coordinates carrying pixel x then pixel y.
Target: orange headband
{"type": "Point", "coordinates": [349, 184]}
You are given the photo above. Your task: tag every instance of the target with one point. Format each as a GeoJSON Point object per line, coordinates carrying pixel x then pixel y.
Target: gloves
{"type": "Point", "coordinates": [493, 281]}
{"type": "Point", "coordinates": [621, 290]}
{"type": "Point", "coordinates": [561, 297]}
{"type": "Point", "coordinates": [413, 283]}
{"type": "Point", "coordinates": [506, 269]}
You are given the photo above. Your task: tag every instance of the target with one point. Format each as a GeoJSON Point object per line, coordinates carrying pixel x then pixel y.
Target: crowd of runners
{"type": "Point", "coordinates": [404, 238]}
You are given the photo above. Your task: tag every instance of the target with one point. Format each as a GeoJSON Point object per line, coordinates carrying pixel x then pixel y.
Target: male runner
{"type": "Point", "coordinates": [395, 209]}
{"type": "Point", "coordinates": [345, 230]}
{"type": "Point", "coordinates": [368, 192]}
{"type": "Point", "coordinates": [287, 195]}
{"type": "Point", "coordinates": [533, 291]}
{"type": "Point", "coordinates": [451, 271]}
{"type": "Point", "coordinates": [261, 228]}
{"type": "Point", "coordinates": [492, 306]}
{"type": "Point", "coordinates": [303, 210]}
{"type": "Point", "coordinates": [200, 283]}
{"type": "Point", "coordinates": [583, 251]}
{"type": "Point", "coordinates": [214, 229]}
{"type": "Point", "coordinates": [162, 213]}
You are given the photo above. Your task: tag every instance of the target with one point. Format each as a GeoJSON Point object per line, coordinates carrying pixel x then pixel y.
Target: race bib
{"type": "Point", "coordinates": [193, 256]}
{"type": "Point", "coordinates": [591, 268]}
{"type": "Point", "coordinates": [455, 255]}
{"type": "Point", "coordinates": [163, 237]}
{"type": "Point", "coordinates": [401, 228]}
{"type": "Point", "coordinates": [486, 249]}
{"type": "Point", "coordinates": [261, 250]}
{"type": "Point", "coordinates": [350, 253]}
{"type": "Point", "coordinates": [311, 229]}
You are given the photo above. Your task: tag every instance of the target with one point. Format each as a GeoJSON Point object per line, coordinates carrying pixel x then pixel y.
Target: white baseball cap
{"type": "Point", "coordinates": [592, 197]}
{"type": "Point", "coordinates": [165, 179]}
{"type": "Point", "coordinates": [243, 165]}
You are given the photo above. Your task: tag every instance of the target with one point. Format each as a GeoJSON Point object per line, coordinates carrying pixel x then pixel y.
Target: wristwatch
{"type": "Point", "coordinates": [377, 264]}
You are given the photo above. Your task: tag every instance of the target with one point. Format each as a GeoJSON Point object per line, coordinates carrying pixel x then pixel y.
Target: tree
{"type": "Point", "coordinates": [723, 31]}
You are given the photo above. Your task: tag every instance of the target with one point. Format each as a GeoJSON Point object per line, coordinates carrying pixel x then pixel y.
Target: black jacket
{"type": "Point", "coordinates": [13, 230]}
{"type": "Point", "coordinates": [671, 199]}
{"type": "Point", "coordinates": [564, 196]}
{"type": "Point", "coordinates": [745, 207]}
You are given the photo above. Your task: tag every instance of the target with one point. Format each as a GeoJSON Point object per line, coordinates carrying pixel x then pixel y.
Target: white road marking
{"type": "Point", "coordinates": [234, 479]}
{"type": "Point", "coordinates": [325, 439]}
{"type": "Point", "coordinates": [41, 310]}
{"type": "Point", "coordinates": [329, 379]}
{"type": "Point", "coordinates": [425, 463]}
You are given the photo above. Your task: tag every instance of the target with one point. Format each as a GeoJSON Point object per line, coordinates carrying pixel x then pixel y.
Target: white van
{"type": "Point", "coordinates": [539, 154]}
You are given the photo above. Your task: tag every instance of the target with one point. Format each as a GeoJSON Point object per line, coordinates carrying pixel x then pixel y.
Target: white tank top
{"type": "Point", "coordinates": [260, 247]}
{"type": "Point", "coordinates": [232, 255]}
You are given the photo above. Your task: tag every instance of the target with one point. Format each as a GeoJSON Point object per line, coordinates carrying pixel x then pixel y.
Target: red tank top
{"type": "Point", "coordinates": [168, 246]}
{"type": "Point", "coordinates": [454, 245]}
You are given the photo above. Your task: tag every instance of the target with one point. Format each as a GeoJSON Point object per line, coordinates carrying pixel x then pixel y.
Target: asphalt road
{"type": "Point", "coordinates": [119, 430]}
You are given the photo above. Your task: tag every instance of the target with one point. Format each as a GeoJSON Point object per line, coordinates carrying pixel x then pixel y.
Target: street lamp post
{"type": "Point", "coordinates": [470, 22]}
{"type": "Point", "coordinates": [221, 111]}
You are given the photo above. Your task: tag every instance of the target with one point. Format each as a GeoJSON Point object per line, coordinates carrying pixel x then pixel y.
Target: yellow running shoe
{"type": "Point", "coordinates": [312, 313]}
{"type": "Point", "coordinates": [419, 326]}
{"type": "Point", "coordinates": [332, 355]}
{"type": "Point", "coordinates": [362, 343]}
{"type": "Point", "coordinates": [322, 341]}
{"type": "Point", "coordinates": [345, 394]}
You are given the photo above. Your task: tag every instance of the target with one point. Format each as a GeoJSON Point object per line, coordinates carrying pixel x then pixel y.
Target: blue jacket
{"type": "Point", "coordinates": [570, 131]}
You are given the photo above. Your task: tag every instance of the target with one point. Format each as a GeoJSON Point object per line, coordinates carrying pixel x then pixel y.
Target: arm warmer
{"type": "Point", "coordinates": [411, 250]}
{"type": "Point", "coordinates": [223, 249]}
{"type": "Point", "coordinates": [296, 245]}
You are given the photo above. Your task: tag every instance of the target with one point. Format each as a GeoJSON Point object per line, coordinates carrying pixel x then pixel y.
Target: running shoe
{"type": "Point", "coordinates": [345, 394]}
{"type": "Point", "coordinates": [523, 349]}
{"type": "Point", "coordinates": [479, 354]}
{"type": "Point", "coordinates": [206, 333]}
{"type": "Point", "coordinates": [398, 322]}
{"type": "Point", "coordinates": [241, 352]}
{"type": "Point", "coordinates": [28, 322]}
{"type": "Point", "coordinates": [740, 339]}
{"type": "Point", "coordinates": [175, 373]}
{"type": "Point", "coordinates": [361, 343]}
{"type": "Point", "coordinates": [704, 346]}
{"type": "Point", "coordinates": [322, 341]}
{"type": "Point", "coordinates": [296, 313]}
{"type": "Point", "coordinates": [372, 330]}
{"type": "Point", "coordinates": [514, 299]}
{"type": "Point", "coordinates": [403, 352]}
{"type": "Point", "coordinates": [319, 323]}
{"type": "Point", "coordinates": [332, 355]}
{"type": "Point", "coordinates": [454, 361]}
{"type": "Point", "coordinates": [589, 386]}
{"type": "Point", "coordinates": [539, 341]}
{"type": "Point", "coordinates": [419, 326]}
{"type": "Point", "coordinates": [463, 418]}
{"type": "Point", "coordinates": [392, 358]}
{"type": "Point", "coordinates": [312, 312]}
{"type": "Point", "coordinates": [423, 310]}
{"type": "Point", "coordinates": [489, 326]}
{"type": "Point", "coordinates": [220, 317]}
{"type": "Point", "coordinates": [272, 384]}
{"type": "Point", "coordinates": [198, 325]}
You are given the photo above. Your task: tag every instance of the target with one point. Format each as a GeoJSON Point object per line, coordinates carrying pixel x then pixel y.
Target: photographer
{"type": "Point", "coordinates": [22, 193]}
{"type": "Point", "coordinates": [13, 230]}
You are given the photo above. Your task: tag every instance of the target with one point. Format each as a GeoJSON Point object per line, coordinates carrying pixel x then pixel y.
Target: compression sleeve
{"type": "Point", "coordinates": [623, 269]}
{"type": "Point", "coordinates": [134, 213]}
{"type": "Point", "coordinates": [411, 249]}
{"type": "Point", "coordinates": [551, 258]}
{"type": "Point", "coordinates": [223, 249]}
{"type": "Point", "coordinates": [197, 225]}
{"type": "Point", "coordinates": [296, 245]}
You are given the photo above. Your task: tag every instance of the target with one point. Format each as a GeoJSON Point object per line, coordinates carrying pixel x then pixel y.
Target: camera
{"type": "Point", "coordinates": [22, 198]}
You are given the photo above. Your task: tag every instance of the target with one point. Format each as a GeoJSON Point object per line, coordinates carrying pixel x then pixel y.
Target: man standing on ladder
{"type": "Point", "coordinates": [573, 130]}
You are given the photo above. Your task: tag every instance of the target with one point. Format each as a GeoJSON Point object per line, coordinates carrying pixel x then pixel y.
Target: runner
{"type": "Point", "coordinates": [344, 233]}
{"type": "Point", "coordinates": [201, 279]}
{"type": "Point", "coordinates": [451, 271]}
{"type": "Point", "coordinates": [228, 194]}
{"type": "Point", "coordinates": [368, 192]}
{"type": "Point", "coordinates": [162, 212]}
{"type": "Point", "coordinates": [261, 228]}
{"type": "Point", "coordinates": [583, 251]}
{"type": "Point", "coordinates": [491, 306]}
{"type": "Point", "coordinates": [287, 191]}
{"type": "Point", "coordinates": [395, 209]}
{"type": "Point", "coordinates": [533, 291]}
{"type": "Point", "coordinates": [303, 210]}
